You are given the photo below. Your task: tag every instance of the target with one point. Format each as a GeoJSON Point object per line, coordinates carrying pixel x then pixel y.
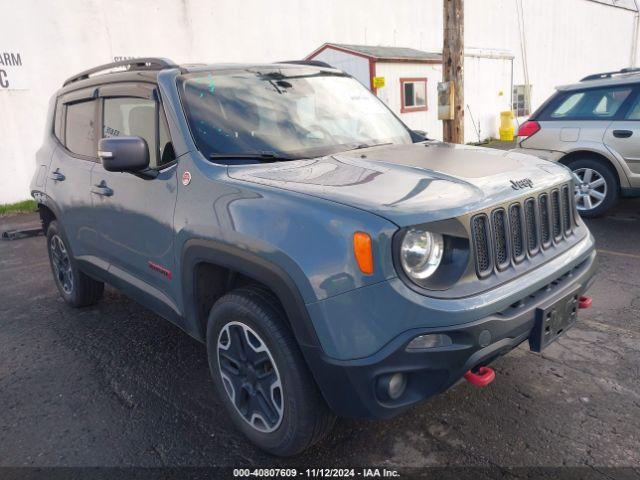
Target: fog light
{"type": "Point", "coordinates": [396, 386]}
{"type": "Point", "coordinates": [392, 386]}
{"type": "Point", "coordinates": [431, 340]}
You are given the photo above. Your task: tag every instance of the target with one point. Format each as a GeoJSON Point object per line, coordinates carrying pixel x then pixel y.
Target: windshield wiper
{"type": "Point", "coordinates": [365, 145]}
{"type": "Point", "coordinates": [268, 156]}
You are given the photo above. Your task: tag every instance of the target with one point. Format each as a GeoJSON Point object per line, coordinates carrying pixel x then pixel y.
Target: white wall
{"type": "Point", "coordinates": [487, 92]}
{"type": "Point", "coordinates": [565, 39]}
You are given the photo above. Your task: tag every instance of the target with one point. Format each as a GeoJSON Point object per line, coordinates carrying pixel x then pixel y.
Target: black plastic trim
{"type": "Point", "coordinates": [196, 251]}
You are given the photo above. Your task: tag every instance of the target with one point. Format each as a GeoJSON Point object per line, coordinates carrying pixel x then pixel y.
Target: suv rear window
{"type": "Point", "coordinates": [599, 103]}
{"type": "Point", "coordinates": [80, 131]}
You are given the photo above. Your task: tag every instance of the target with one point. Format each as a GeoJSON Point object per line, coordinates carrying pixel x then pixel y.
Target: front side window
{"type": "Point", "coordinates": [129, 116]}
{"type": "Point", "coordinates": [80, 129]}
{"type": "Point", "coordinates": [594, 104]}
{"type": "Point", "coordinates": [414, 94]}
{"type": "Point", "coordinates": [293, 112]}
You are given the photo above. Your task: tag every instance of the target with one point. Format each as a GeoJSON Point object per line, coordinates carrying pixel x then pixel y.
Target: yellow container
{"type": "Point", "coordinates": [507, 129]}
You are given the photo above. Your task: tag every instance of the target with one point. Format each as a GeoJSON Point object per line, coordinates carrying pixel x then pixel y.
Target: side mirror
{"type": "Point", "coordinates": [124, 154]}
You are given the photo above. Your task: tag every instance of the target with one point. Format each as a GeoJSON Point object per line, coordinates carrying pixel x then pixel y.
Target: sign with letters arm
{"type": "Point", "coordinates": [13, 75]}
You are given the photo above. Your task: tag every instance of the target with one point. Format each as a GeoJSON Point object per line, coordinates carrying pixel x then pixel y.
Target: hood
{"type": "Point", "coordinates": [412, 184]}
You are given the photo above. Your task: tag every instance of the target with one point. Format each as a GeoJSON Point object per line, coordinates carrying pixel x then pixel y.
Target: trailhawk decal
{"type": "Point", "coordinates": [165, 272]}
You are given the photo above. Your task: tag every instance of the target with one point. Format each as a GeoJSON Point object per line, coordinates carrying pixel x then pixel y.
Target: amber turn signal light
{"type": "Point", "coordinates": [363, 252]}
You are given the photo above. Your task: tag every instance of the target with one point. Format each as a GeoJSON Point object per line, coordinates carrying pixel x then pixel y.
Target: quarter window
{"type": "Point", "coordinates": [80, 131]}
{"type": "Point", "coordinates": [58, 121]}
{"type": "Point", "coordinates": [599, 103]}
{"type": "Point", "coordinates": [414, 94]}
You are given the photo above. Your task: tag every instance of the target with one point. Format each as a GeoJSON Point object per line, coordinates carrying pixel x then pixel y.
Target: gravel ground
{"type": "Point", "coordinates": [115, 385]}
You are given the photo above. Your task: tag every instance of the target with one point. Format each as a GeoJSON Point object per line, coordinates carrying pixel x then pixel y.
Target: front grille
{"type": "Point", "coordinates": [499, 220]}
{"type": "Point", "coordinates": [480, 229]}
{"type": "Point", "coordinates": [517, 232]}
{"type": "Point", "coordinates": [545, 223]}
{"type": "Point", "coordinates": [531, 221]}
{"type": "Point", "coordinates": [506, 236]}
{"type": "Point", "coordinates": [556, 220]}
{"type": "Point", "coordinates": [566, 210]}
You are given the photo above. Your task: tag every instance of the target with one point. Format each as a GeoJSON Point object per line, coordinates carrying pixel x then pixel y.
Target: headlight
{"type": "Point", "coordinates": [421, 253]}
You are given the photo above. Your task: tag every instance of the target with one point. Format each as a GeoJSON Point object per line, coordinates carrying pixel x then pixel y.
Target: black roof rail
{"type": "Point", "coordinates": [600, 76]}
{"type": "Point", "coordinates": [133, 64]}
{"type": "Point", "coordinates": [313, 63]}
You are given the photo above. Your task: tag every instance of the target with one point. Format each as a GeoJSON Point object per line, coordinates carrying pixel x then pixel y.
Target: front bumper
{"type": "Point", "coordinates": [349, 386]}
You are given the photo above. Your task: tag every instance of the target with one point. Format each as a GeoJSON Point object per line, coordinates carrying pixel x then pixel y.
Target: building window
{"type": "Point", "coordinates": [414, 94]}
{"type": "Point", "coordinates": [521, 100]}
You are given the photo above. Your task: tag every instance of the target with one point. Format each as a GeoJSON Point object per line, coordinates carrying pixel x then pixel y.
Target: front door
{"type": "Point", "coordinates": [134, 214]}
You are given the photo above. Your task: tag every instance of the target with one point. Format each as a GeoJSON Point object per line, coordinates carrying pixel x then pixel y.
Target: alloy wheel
{"type": "Point", "coordinates": [591, 190]}
{"type": "Point", "coordinates": [61, 264]}
{"type": "Point", "coordinates": [250, 376]}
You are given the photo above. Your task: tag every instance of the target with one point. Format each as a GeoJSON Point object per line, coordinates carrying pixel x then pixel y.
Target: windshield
{"type": "Point", "coordinates": [285, 112]}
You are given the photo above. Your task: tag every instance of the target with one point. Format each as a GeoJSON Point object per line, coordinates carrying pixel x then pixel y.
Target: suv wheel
{"type": "Point", "coordinates": [75, 287]}
{"type": "Point", "coordinates": [597, 189]}
{"type": "Point", "coordinates": [260, 374]}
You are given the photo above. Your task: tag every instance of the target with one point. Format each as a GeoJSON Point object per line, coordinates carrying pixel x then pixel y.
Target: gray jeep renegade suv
{"type": "Point", "coordinates": [333, 261]}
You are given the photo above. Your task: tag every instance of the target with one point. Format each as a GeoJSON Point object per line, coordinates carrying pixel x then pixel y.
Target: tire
{"type": "Point", "coordinates": [295, 416]}
{"type": "Point", "coordinates": [594, 201]}
{"type": "Point", "coordinates": [75, 287]}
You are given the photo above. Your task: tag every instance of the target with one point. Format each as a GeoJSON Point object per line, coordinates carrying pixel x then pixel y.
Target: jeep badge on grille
{"type": "Point", "coordinates": [518, 184]}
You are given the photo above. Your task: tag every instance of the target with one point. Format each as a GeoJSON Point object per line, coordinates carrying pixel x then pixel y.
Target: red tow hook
{"type": "Point", "coordinates": [482, 377]}
{"type": "Point", "coordinates": [585, 302]}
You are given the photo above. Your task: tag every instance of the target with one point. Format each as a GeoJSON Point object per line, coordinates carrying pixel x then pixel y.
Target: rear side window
{"type": "Point", "coordinates": [80, 131]}
{"type": "Point", "coordinates": [599, 103]}
{"type": "Point", "coordinates": [634, 111]}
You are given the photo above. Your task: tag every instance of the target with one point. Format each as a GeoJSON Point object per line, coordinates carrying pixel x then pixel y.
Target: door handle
{"type": "Point", "coordinates": [622, 133]}
{"type": "Point", "coordinates": [102, 189]}
{"type": "Point", "coordinates": [57, 176]}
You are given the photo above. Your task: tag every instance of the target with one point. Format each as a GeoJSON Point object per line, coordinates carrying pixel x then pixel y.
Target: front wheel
{"type": "Point", "coordinates": [596, 190]}
{"type": "Point", "coordinates": [261, 376]}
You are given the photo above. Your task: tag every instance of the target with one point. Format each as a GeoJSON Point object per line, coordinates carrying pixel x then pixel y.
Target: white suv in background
{"type": "Point", "coordinates": [593, 127]}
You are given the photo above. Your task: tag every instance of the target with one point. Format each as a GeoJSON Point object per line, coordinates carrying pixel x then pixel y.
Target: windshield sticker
{"type": "Point", "coordinates": [208, 80]}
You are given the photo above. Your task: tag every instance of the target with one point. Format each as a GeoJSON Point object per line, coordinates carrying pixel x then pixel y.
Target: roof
{"type": "Point", "coordinates": [147, 69]}
{"type": "Point", "coordinates": [382, 53]}
{"type": "Point", "coordinates": [625, 4]}
{"type": "Point", "coordinates": [623, 79]}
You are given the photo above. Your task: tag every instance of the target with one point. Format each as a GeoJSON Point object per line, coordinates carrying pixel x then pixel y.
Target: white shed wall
{"type": "Point", "coordinates": [391, 93]}
{"type": "Point", "coordinates": [358, 67]}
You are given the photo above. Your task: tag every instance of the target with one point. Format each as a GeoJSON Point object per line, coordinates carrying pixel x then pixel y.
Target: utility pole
{"type": "Point", "coordinates": [453, 67]}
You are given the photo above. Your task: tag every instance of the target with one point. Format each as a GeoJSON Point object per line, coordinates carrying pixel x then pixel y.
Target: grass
{"type": "Point", "coordinates": [26, 206]}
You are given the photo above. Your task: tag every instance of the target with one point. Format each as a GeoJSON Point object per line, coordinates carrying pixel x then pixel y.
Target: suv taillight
{"type": "Point", "coordinates": [528, 128]}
